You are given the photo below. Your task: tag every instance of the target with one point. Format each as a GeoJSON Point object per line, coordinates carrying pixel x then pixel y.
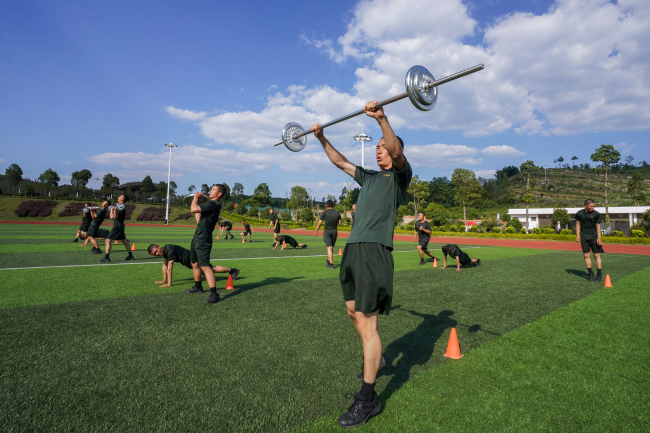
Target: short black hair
{"type": "Point", "coordinates": [589, 201]}
{"type": "Point", "coordinates": [151, 247]}
{"type": "Point", "coordinates": [108, 201]}
{"type": "Point", "coordinates": [398, 139]}
{"type": "Point", "coordinates": [445, 249]}
{"type": "Point", "coordinates": [422, 212]}
{"type": "Point", "coordinates": [330, 203]}
{"type": "Point", "coordinates": [222, 189]}
{"type": "Point", "coordinates": [87, 203]}
{"type": "Point", "coordinates": [126, 198]}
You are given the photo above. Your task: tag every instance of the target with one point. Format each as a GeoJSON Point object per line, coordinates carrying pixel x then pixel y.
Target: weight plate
{"type": "Point", "coordinates": [289, 130]}
{"type": "Point", "coordinates": [423, 99]}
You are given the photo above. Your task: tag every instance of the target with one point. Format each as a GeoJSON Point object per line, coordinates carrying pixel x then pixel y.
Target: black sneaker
{"type": "Point", "coordinates": [76, 240]}
{"type": "Point", "coordinates": [327, 263]}
{"type": "Point", "coordinates": [104, 260]}
{"type": "Point", "coordinates": [430, 260]}
{"type": "Point", "coordinates": [599, 277]}
{"type": "Point", "coordinates": [234, 272]}
{"type": "Point", "coordinates": [330, 266]}
{"type": "Point", "coordinates": [130, 257]}
{"type": "Point", "coordinates": [591, 276]}
{"type": "Point", "coordinates": [304, 246]}
{"type": "Point", "coordinates": [213, 298]}
{"type": "Point", "coordinates": [195, 290]}
{"type": "Point", "coordinates": [97, 251]}
{"type": "Point", "coordinates": [360, 411]}
{"type": "Point", "coordinates": [422, 262]}
{"type": "Point", "coordinates": [384, 360]}
{"type": "Point", "coordinates": [478, 262]}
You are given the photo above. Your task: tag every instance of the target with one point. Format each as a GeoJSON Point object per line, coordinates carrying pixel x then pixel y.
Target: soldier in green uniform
{"type": "Point", "coordinates": [118, 214]}
{"type": "Point", "coordinates": [286, 239]}
{"type": "Point", "coordinates": [274, 223]}
{"type": "Point", "coordinates": [588, 236]}
{"type": "Point", "coordinates": [98, 216]}
{"type": "Point", "coordinates": [226, 226]}
{"type": "Point", "coordinates": [422, 236]}
{"type": "Point", "coordinates": [247, 231]}
{"type": "Point", "coordinates": [101, 233]}
{"type": "Point", "coordinates": [332, 219]}
{"type": "Point", "coordinates": [461, 257]}
{"type": "Point", "coordinates": [354, 210]}
{"type": "Point", "coordinates": [174, 253]}
{"type": "Point", "coordinates": [366, 274]}
{"type": "Point", "coordinates": [202, 240]}
{"type": "Point", "coordinates": [85, 221]}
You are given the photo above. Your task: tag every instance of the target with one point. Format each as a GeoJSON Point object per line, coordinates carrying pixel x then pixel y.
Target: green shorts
{"type": "Point", "coordinates": [367, 276]}
{"type": "Point", "coordinates": [200, 253]}
{"type": "Point", "coordinates": [423, 243]}
{"type": "Point", "coordinates": [93, 231]}
{"type": "Point", "coordinates": [116, 234]}
{"type": "Point", "coordinates": [465, 260]}
{"type": "Point", "coordinates": [330, 238]}
{"type": "Point", "coordinates": [84, 226]}
{"type": "Point", "coordinates": [591, 244]}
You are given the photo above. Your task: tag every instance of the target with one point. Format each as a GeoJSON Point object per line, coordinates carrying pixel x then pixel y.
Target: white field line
{"type": "Point", "coordinates": [159, 263]}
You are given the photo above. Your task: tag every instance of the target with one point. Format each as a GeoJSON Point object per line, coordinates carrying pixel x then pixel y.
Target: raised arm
{"type": "Point", "coordinates": [391, 142]}
{"type": "Point", "coordinates": [334, 155]}
{"type": "Point", "coordinates": [194, 207]}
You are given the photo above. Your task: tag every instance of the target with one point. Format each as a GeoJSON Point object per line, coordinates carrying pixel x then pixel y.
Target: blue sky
{"type": "Point", "coordinates": [104, 85]}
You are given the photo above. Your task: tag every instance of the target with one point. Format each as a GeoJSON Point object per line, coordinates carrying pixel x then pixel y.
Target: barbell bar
{"type": "Point", "coordinates": [421, 89]}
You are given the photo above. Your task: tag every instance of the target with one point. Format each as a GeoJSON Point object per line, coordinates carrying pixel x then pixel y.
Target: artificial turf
{"type": "Point", "coordinates": [101, 348]}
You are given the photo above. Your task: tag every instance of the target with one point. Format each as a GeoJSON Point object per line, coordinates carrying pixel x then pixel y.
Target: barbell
{"type": "Point", "coordinates": [421, 89]}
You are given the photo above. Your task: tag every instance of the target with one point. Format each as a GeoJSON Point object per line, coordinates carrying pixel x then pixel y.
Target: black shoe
{"type": "Point", "coordinates": [76, 240]}
{"type": "Point", "coordinates": [234, 272]}
{"type": "Point", "coordinates": [422, 262]}
{"type": "Point", "coordinates": [327, 263]}
{"type": "Point", "coordinates": [213, 298]}
{"type": "Point", "coordinates": [195, 290]}
{"type": "Point", "coordinates": [330, 266]}
{"type": "Point", "coordinates": [97, 251]}
{"type": "Point", "coordinates": [599, 277]}
{"type": "Point", "coordinates": [384, 360]}
{"type": "Point", "coordinates": [478, 262]}
{"type": "Point", "coordinates": [591, 276]}
{"type": "Point", "coordinates": [360, 411]}
{"type": "Point", "coordinates": [430, 260]}
{"type": "Point", "coordinates": [304, 246]}
{"type": "Point", "coordinates": [129, 257]}
{"type": "Point", "coordinates": [104, 260]}
{"type": "Point", "coordinates": [92, 250]}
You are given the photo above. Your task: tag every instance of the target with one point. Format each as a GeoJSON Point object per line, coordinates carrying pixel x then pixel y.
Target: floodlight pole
{"type": "Point", "coordinates": [169, 172]}
{"type": "Point", "coordinates": [362, 138]}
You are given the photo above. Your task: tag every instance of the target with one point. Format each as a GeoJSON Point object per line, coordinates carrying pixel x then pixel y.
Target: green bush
{"type": "Point", "coordinates": [548, 231]}
{"type": "Point", "coordinates": [229, 207]}
{"type": "Point", "coordinates": [252, 212]}
{"type": "Point", "coordinates": [286, 217]}
{"type": "Point", "coordinates": [240, 210]}
{"type": "Point", "coordinates": [473, 229]}
{"type": "Point", "coordinates": [509, 230]}
{"type": "Point", "coordinates": [537, 231]}
{"type": "Point", "coordinates": [410, 226]}
{"type": "Point", "coordinates": [452, 228]}
{"type": "Point", "coordinates": [515, 223]}
{"type": "Point", "coordinates": [523, 231]}
{"type": "Point", "coordinates": [265, 214]}
{"type": "Point", "coordinates": [637, 233]}
{"type": "Point", "coordinates": [618, 234]}
{"type": "Point", "coordinates": [566, 232]}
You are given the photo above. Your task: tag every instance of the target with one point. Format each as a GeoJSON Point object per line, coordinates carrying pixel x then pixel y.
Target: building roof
{"type": "Point", "coordinates": [573, 210]}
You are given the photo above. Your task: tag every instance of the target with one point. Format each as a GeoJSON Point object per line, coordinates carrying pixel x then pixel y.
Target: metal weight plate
{"type": "Point", "coordinates": [423, 99]}
{"type": "Point", "coordinates": [289, 130]}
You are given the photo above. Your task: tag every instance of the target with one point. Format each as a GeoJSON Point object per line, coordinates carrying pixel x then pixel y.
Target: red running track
{"type": "Point", "coordinates": [512, 243]}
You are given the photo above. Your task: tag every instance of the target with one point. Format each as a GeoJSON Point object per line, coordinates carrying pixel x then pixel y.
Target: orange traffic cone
{"type": "Point", "coordinates": [116, 242]}
{"type": "Point", "coordinates": [217, 237]}
{"type": "Point", "coordinates": [608, 281]}
{"type": "Point", "coordinates": [243, 240]}
{"type": "Point", "coordinates": [229, 285]}
{"type": "Point", "coordinates": [340, 251]}
{"type": "Point", "coordinates": [132, 247]}
{"type": "Point", "coordinates": [453, 350]}
{"type": "Point", "coordinates": [435, 263]}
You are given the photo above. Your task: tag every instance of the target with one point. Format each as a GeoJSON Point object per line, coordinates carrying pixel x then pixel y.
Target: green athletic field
{"type": "Point", "coordinates": [100, 347]}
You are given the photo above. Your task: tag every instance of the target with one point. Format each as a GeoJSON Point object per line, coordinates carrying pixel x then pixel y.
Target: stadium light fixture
{"type": "Point", "coordinates": [169, 172]}
{"type": "Point", "coordinates": [362, 138]}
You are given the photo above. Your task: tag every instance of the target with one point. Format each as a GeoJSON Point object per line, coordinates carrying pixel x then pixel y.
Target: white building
{"type": "Point", "coordinates": [621, 217]}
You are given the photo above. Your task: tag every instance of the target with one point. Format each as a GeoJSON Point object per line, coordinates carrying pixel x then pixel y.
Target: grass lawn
{"type": "Point", "coordinates": [92, 347]}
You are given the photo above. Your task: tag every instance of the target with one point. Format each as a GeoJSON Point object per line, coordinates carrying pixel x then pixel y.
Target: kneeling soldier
{"type": "Point", "coordinates": [285, 239]}
{"type": "Point", "coordinates": [461, 257]}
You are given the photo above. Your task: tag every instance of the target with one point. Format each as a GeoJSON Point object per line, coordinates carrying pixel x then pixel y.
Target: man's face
{"type": "Point", "coordinates": [383, 159]}
{"type": "Point", "coordinates": [105, 204]}
{"type": "Point", "coordinates": [215, 193]}
{"type": "Point", "coordinates": [271, 211]}
{"type": "Point", "coordinates": [121, 198]}
{"type": "Point", "coordinates": [590, 207]}
{"type": "Point", "coordinates": [354, 207]}
{"type": "Point", "coordinates": [421, 217]}
{"type": "Point", "coordinates": [157, 251]}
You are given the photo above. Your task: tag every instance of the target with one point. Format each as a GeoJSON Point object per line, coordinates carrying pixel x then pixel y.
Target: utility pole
{"type": "Point", "coordinates": [169, 172]}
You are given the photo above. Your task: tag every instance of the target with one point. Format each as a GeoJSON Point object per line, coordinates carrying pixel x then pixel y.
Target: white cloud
{"type": "Point", "coordinates": [503, 151]}
{"type": "Point", "coordinates": [441, 155]}
{"type": "Point", "coordinates": [322, 189]}
{"type": "Point", "coordinates": [66, 162]}
{"type": "Point", "coordinates": [485, 174]}
{"type": "Point", "coordinates": [185, 114]}
{"type": "Point", "coordinates": [3, 160]}
{"type": "Point", "coordinates": [624, 148]}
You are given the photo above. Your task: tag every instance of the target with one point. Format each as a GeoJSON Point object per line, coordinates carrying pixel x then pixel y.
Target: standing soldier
{"type": "Point", "coordinates": [118, 214]}
{"type": "Point", "coordinates": [98, 216]}
{"type": "Point", "coordinates": [247, 231]}
{"type": "Point", "coordinates": [226, 226]}
{"type": "Point", "coordinates": [85, 221]}
{"type": "Point", "coordinates": [367, 265]}
{"type": "Point", "coordinates": [274, 223]}
{"type": "Point", "coordinates": [332, 220]}
{"type": "Point", "coordinates": [588, 236]}
{"type": "Point", "coordinates": [422, 236]}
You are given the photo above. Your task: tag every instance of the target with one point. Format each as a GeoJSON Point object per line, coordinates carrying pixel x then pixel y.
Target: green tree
{"type": "Point", "coordinates": [147, 186]}
{"type": "Point", "coordinates": [191, 188]}
{"type": "Point", "coordinates": [172, 186]}
{"type": "Point", "coordinates": [81, 178]}
{"type": "Point", "coordinates": [50, 178]}
{"type": "Point", "coordinates": [205, 189]}
{"type": "Point", "coordinates": [560, 216]}
{"type": "Point", "coordinates": [331, 197]}
{"type": "Point", "coordinates": [238, 192]}
{"type": "Point", "coordinates": [226, 196]}
{"type": "Point", "coordinates": [438, 214]}
{"type": "Point", "coordinates": [635, 187]}
{"type": "Point", "coordinates": [262, 195]}
{"type": "Point", "coordinates": [560, 160]}
{"type": "Point", "coordinates": [419, 190]}
{"type": "Point", "coordinates": [441, 190]}
{"type": "Point", "coordinates": [527, 168]}
{"type": "Point", "coordinates": [14, 175]}
{"type": "Point", "coordinates": [307, 215]}
{"type": "Point", "coordinates": [466, 188]}
{"type": "Point", "coordinates": [111, 181]}
{"type": "Point", "coordinates": [161, 187]}
{"type": "Point", "coordinates": [607, 155]}
{"type": "Point", "coordinates": [299, 198]}
{"type": "Point", "coordinates": [574, 158]}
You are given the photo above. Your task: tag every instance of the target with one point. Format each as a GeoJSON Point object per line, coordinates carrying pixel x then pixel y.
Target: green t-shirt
{"type": "Point", "coordinates": [247, 228]}
{"type": "Point", "coordinates": [377, 205]}
{"type": "Point", "coordinates": [120, 215]}
{"type": "Point", "coordinates": [226, 224]}
{"type": "Point", "coordinates": [454, 251]}
{"type": "Point", "coordinates": [289, 240]}
{"type": "Point", "coordinates": [87, 217]}
{"type": "Point", "coordinates": [209, 217]}
{"type": "Point", "coordinates": [331, 219]}
{"type": "Point", "coordinates": [103, 233]}
{"type": "Point", "coordinates": [423, 236]}
{"type": "Point", "coordinates": [588, 221]}
{"type": "Point", "coordinates": [178, 254]}
{"type": "Point", "coordinates": [273, 218]}
{"type": "Point", "coordinates": [101, 216]}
